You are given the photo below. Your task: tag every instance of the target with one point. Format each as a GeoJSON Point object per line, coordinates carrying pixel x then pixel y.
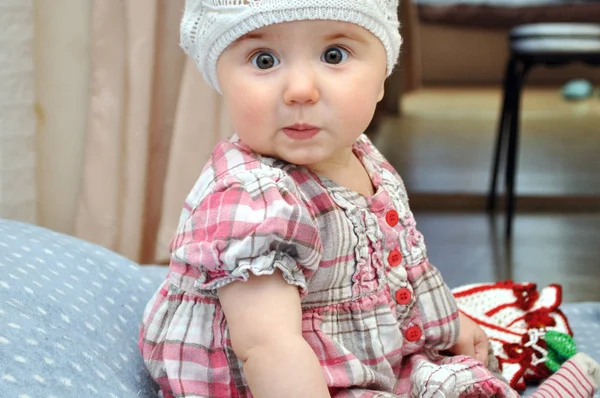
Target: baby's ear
{"type": "Point", "coordinates": [381, 91]}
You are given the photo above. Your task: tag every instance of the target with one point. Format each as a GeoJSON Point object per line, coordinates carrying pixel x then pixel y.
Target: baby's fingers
{"type": "Point", "coordinates": [464, 347]}
{"type": "Point", "coordinates": [482, 351]}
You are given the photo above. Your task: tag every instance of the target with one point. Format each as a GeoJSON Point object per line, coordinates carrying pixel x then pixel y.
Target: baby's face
{"type": "Point", "coordinates": [303, 91]}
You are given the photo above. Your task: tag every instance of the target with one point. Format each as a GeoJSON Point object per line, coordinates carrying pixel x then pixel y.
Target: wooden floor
{"type": "Point", "coordinates": [545, 249]}
{"type": "Point", "coordinates": [442, 147]}
{"type": "Point", "coordinates": [444, 141]}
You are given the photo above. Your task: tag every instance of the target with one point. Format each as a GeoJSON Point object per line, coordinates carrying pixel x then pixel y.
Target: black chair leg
{"type": "Point", "coordinates": [513, 146]}
{"type": "Point", "coordinates": [501, 136]}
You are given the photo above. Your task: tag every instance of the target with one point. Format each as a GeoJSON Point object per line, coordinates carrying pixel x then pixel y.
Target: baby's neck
{"type": "Point", "coordinates": [351, 174]}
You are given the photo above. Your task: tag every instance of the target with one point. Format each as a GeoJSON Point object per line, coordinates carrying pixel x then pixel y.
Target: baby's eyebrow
{"type": "Point", "coordinates": [328, 38]}
{"type": "Point", "coordinates": [345, 35]}
{"type": "Point", "coordinates": [248, 36]}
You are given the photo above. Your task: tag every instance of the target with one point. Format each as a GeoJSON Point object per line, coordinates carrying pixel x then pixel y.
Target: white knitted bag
{"type": "Point", "coordinates": [511, 313]}
{"type": "Point", "coordinates": [208, 27]}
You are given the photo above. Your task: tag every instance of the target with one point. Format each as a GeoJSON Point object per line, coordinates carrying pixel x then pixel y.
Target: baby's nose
{"type": "Point", "coordinates": [302, 87]}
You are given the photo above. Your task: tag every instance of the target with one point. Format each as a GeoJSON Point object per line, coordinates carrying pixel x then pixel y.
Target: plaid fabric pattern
{"type": "Point", "coordinates": [253, 214]}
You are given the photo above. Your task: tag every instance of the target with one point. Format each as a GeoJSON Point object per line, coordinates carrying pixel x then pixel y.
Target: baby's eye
{"type": "Point", "coordinates": [334, 55]}
{"type": "Point", "coordinates": [264, 60]}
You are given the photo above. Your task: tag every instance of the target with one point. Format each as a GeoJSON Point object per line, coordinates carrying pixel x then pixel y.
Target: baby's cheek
{"type": "Point", "coordinates": [358, 108]}
{"type": "Point", "coordinates": [251, 118]}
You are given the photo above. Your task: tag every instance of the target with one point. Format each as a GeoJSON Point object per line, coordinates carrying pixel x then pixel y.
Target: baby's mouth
{"type": "Point", "coordinates": [301, 131]}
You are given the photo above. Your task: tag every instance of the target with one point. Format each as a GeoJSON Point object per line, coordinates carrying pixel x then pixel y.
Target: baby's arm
{"type": "Point", "coordinates": [265, 324]}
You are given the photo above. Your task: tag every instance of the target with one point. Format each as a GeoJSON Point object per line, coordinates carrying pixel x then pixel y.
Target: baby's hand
{"type": "Point", "coordinates": [472, 340]}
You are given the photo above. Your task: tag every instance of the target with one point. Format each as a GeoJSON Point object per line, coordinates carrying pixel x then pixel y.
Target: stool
{"type": "Point", "coordinates": [550, 44]}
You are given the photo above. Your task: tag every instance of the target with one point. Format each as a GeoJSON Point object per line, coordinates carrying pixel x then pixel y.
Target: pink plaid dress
{"type": "Point", "coordinates": [375, 311]}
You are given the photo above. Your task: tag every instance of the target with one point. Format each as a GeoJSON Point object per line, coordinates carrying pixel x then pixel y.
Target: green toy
{"type": "Point", "coordinates": [560, 347]}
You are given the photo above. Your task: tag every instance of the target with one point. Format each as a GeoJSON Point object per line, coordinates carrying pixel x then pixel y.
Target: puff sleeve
{"type": "Point", "coordinates": [250, 223]}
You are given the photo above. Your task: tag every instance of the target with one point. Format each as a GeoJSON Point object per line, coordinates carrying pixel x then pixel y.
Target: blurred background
{"type": "Point", "coordinates": [105, 125]}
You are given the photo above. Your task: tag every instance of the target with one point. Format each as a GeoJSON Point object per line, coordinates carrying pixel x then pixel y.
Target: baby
{"type": "Point", "coordinates": [297, 269]}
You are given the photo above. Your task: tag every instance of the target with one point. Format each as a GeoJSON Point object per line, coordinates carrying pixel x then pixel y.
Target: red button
{"type": "Point", "coordinates": [394, 258]}
{"type": "Point", "coordinates": [403, 296]}
{"type": "Point", "coordinates": [413, 333]}
{"type": "Point", "coordinates": [392, 218]}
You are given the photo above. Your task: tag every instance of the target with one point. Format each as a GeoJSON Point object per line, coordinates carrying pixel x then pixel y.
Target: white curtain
{"type": "Point", "coordinates": [151, 123]}
{"type": "Point", "coordinates": [17, 115]}
{"type": "Point", "coordinates": [62, 68]}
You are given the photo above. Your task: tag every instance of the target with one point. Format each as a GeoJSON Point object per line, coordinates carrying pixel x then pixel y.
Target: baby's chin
{"type": "Point", "coordinates": [300, 159]}
{"type": "Point", "coordinates": [307, 152]}
{"type": "Point", "coordinates": [314, 161]}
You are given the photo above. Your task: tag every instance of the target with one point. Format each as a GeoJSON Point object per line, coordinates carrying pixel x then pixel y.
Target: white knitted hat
{"type": "Point", "coordinates": [208, 27]}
